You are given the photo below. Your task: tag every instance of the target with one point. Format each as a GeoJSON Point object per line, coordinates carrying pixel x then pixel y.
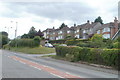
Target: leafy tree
{"type": "Point", "coordinates": [39, 33]}
{"type": "Point", "coordinates": [25, 36]}
{"type": "Point", "coordinates": [99, 20]}
{"type": "Point", "coordinates": [63, 25]}
{"type": "Point", "coordinates": [4, 33]}
{"type": "Point", "coordinates": [32, 32]}
{"type": "Point", "coordinates": [3, 40]}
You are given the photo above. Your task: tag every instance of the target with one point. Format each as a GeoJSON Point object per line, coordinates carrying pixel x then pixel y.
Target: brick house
{"type": "Point", "coordinates": [47, 33]}
{"type": "Point", "coordinates": [109, 30]}
{"type": "Point", "coordinates": [83, 31]}
{"type": "Point", "coordinates": [86, 30]}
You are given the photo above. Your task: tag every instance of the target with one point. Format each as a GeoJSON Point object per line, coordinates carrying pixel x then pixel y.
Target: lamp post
{"type": "Point", "coordinates": [16, 29]}
{"type": "Point", "coordinates": [9, 27]}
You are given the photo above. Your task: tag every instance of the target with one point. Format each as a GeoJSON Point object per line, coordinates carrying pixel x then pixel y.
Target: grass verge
{"type": "Point", "coordinates": [36, 50]}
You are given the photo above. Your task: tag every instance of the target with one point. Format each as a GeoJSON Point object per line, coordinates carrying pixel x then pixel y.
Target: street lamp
{"type": "Point", "coordinates": [16, 29]}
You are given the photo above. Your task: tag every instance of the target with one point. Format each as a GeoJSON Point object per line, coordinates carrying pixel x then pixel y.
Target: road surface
{"type": "Point", "coordinates": [18, 65]}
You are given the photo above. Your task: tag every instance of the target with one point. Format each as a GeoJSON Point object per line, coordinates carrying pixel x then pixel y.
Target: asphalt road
{"type": "Point", "coordinates": [17, 65]}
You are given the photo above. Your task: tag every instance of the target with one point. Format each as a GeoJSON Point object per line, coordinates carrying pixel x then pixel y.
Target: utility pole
{"type": "Point", "coordinates": [16, 29]}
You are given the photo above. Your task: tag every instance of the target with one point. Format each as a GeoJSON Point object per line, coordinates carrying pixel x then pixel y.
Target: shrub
{"type": "Point", "coordinates": [116, 45]}
{"type": "Point", "coordinates": [82, 44]}
{"type": "Point", "coordinates": [37, 40]}
{"type": "Point", "coordinates": [57, 41]}
{"type": "Point", "coordinates": [108, 57]}
{"type": "Point", "coordinates": [24, 43]}
{"type": "Point", "coordinates": [75, 41]}
{"type": "Point", "coordinates": [3, 40]}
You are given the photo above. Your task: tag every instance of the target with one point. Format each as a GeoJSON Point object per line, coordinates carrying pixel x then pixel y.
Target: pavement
{"type": "Point", "coordinates": [18, 65]}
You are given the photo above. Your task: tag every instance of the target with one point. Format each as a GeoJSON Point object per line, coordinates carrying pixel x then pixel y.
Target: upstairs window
{"type": "Point", "coordinates": [106, 29]}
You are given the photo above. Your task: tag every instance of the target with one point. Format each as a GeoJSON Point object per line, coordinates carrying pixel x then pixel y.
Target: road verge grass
{"type": "Point", "coordinates": [36, 50]}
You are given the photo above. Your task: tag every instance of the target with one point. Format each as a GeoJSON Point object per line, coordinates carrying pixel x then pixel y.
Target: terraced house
{"type": "Point", "coordinates": [83, 31]}
{"type": "Point", "coordinates": [110, 29]}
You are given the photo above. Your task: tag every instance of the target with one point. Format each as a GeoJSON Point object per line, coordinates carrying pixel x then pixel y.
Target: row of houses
{"type": "Point", "coordinates": [83, 31]}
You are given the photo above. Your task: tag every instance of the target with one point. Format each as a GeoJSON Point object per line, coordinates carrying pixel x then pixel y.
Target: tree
{"type": "Point", "coordinates": [99, 20]}
{"type": "Point", "coordinates": [25, 36]}
{"type": "Point", "coordinates": [32, 32]}
{"type": "Point", "coordinates": [39, 33]}
{"type": "Point", "coordinates": [3, 40]}
{"type": "Point", "coordinates": [4, 33]}
{"type": "Point", "coordinates": [63, 25]}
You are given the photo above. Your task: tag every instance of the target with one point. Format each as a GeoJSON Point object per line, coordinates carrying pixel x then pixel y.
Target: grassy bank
{"type": "Point", "coordinates": [36, 50]}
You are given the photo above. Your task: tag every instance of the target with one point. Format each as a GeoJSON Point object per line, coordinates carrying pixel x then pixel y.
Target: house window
{"type": "Point", "coordinates": [77, 36]}
{"type": "Point", "coordinates": [68, 31]}
{"type": "Point", "coordinates": [84, 31]}
{"type": "Point", "coordinates": [47, 32]}
{"type": "Point", "coordinates": [106, 29]}
{"type": "Point", "coordinates": [98, 32]}
{"type": "Point", "coordinates": [78, 30]}
{"type": "Point", "coordinates": [106, 36]}
{"type": "Point", "coordinates": [60, 32]}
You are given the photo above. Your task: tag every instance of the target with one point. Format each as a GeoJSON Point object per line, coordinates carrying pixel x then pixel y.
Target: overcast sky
{"type": "Point", "coordinates": [44, 15]}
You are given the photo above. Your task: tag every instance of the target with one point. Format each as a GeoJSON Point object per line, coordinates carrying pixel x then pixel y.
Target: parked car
{"type": "Point", "coordinates": [48, 45]}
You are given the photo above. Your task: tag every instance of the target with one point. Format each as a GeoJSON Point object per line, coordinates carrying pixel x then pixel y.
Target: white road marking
{"type": "Point", "coordinates": [56, 75]}
{"type": "Point", "coordinates": [22, 62]}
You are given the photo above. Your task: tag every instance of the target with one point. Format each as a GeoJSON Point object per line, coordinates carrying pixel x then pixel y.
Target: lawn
{"type": "Point", "coordinates": [36, 50]}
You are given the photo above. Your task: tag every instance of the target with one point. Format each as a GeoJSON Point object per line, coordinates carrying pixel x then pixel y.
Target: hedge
{"type": "Point", "coordinates": [25, 42]}
{"type": "Point", "coordinates": [108, 57]}
{"type": "Point", "coordinates": [57, 41]}
{"type": "Point", "coordinates": [75, 41]}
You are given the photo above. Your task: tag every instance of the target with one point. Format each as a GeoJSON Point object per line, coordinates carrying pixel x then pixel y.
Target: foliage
{"type": "Point", "coordinates": [37, 40]}
{"type": "Point", "coordinates": [35, 50]}
{"type": "Point", "coordinates": [32, 32]}
{"type": "Point", "coordinates": [39, 33]}
{"type": "Point", "coordinates": [97, 41]}
{"type": "Point", "coordinates": [3, 40]}
{"type": "Point", "coordinates": [83, 44]}
{"type": "Point", "coordinates": [25, 42]}
{"type": "Point", "coordinates": [108, 57]}
{"type": "Point", "coordinates": [4, 33]}
{"type": "Point", "coordinates": [75, 41]}
{"type": "Point", "coordinates": [25, 36]}
{"type": "Point", "coordinates": [63, 25]}
{"type": "Point", "coordinates": [116, 45]}
{"type": "Point", "coordinates": [99, 20]}
{"type": "Point", "coordinates": [62, 41]}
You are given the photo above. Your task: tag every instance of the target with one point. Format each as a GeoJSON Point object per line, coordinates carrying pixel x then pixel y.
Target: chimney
{"type": "Point", "coordinates": [115, 20]}
{"type": "Point", "coordinates": [53, 27]}
{"type": "Point", "coordinates": [74, 25]}
{"type": "Point", "coordinates": [88, 21]}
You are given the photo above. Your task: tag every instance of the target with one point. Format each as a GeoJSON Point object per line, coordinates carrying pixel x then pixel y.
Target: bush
{"type": "Point", "coordinates": [25, 43]}
{"type": "Point", "coordinates": [57, 41]}
{"type": "Point", "coordinates": [75, 41]}
{"type": "Point", "coordinates": [3, 40]}
{"type": "Point", "coordinates": [37, 40]}
{"type": "Point", "coordinates": [81, 44]}
{"type": "Point", "coordinates": [116, 45]}
{"type": "Point", "coordinates": [108, 57]}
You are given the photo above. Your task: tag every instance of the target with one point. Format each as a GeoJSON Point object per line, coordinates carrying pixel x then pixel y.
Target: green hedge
{"type": "Point", "coordinates": [57, 41]}
{"type": "Point", "coordinates": [108, 57]}
{"type": "Point", "coordinates": [75, 41]}
{"type": "Point", "coordinates": [25, 42]}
